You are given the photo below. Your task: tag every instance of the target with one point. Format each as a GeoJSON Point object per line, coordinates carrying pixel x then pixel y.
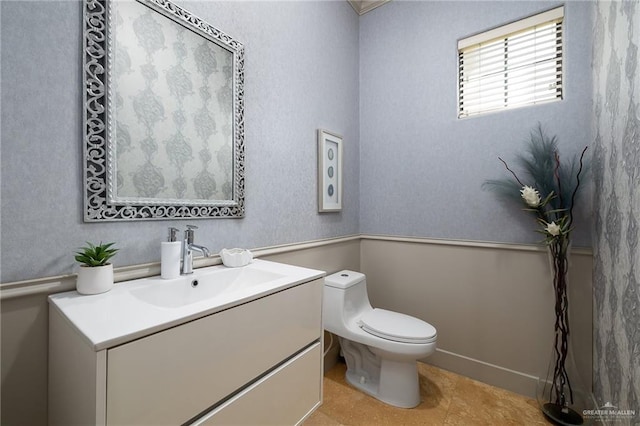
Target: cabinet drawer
{"type": "Point", "coordinates": [283, 397]}
{"type": "Point", "coordinates": [170, 376]}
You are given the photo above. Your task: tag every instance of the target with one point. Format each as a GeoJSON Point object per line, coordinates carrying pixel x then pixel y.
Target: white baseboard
{"type": "Point", "coordinates": [515, 381]}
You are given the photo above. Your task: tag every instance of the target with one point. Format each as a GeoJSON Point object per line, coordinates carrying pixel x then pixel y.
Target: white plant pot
{"type": "Point", "coordinates": [94, 280]}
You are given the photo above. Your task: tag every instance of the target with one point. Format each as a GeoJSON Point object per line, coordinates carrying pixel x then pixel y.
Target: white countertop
{"type": "Point", "coordinates": [118, 316]}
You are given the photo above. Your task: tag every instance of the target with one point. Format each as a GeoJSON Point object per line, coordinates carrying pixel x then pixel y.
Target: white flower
{"type": "Point", "coordinates": [530, 196]}
{"type": "Point", "coordinates": [553, 229]}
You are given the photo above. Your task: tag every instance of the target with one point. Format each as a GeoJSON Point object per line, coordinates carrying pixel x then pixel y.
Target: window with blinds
{"type": "Point", "coordinates": [511, 66]}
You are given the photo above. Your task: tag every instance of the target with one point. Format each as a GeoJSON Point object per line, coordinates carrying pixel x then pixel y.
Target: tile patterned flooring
{"type": "Point", "coordinates": [447, 399]}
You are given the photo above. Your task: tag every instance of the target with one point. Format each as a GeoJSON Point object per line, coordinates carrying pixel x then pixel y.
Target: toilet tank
{"type": "Point", "coordinates": [344, 279]}
{"type": "Point", "coordinates": [345, 299]}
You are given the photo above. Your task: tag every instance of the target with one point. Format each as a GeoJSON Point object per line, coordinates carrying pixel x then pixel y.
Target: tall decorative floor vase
{"type": "Point", "coordinates": [561, 394]}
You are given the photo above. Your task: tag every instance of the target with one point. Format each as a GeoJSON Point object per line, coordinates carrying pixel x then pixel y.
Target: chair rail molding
{"type": "Point", "coordinates": [55, 284]}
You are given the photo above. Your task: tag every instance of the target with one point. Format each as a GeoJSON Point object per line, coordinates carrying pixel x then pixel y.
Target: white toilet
{"type": "Point", "coordinates": [380, 347]}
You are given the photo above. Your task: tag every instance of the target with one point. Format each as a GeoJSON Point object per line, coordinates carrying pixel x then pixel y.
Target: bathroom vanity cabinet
{"type": "Point", "coordinates": [258, 362]}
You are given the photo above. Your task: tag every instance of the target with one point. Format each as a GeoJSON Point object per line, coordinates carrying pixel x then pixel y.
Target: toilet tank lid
{"type": "Point", "coordinates": [343, 279]}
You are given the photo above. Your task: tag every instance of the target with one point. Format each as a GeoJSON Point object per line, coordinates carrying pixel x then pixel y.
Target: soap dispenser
{"type": "Point", "coordinates": [170, 256]}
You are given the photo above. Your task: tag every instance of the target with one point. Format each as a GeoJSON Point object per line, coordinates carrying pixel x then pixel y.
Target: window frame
{"type": "Point", "coordinates": [554, 19]}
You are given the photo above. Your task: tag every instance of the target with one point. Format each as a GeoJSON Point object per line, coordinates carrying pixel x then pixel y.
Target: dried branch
{"type": "Point", "coordinates": [556, 174]}
{"type": "Point", "coordinates": [575, 190]}
{"type": "Point", "coordinates": [512, 172]}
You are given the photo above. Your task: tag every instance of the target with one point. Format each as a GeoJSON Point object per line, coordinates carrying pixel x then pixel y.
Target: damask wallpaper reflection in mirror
{"type": "Point", "coordinates": [172, 94]}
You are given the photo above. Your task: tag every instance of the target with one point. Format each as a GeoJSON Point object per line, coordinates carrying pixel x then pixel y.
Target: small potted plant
{"type": "Point", "coordinates": [96, 273]}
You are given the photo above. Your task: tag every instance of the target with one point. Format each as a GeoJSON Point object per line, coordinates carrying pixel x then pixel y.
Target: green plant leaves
{"type": "Point", "coordinates": [95, 255]}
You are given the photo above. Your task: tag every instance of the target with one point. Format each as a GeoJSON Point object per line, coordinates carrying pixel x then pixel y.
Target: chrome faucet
{"type": "Point", "coordinates": [187, 250]}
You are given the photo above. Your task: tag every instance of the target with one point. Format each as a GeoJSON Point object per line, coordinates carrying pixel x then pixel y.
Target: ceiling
{"type": "Point", "coordinates": [363, 6]}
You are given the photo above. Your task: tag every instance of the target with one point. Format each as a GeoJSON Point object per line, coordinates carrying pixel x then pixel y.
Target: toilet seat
{"type": "Point", "coordinates": [397, 327]}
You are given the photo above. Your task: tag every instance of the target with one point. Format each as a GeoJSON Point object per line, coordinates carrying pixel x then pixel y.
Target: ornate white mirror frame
{"type": "Point", "coordinates": [155, 190]}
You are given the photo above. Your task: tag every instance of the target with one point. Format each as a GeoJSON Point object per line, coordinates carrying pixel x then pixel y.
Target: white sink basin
{"type": "Point", "coordinates": [199, 286]}
{"type": "Point", "coordinates": [137, 308]}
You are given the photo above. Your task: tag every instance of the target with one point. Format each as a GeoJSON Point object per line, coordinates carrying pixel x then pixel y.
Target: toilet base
{"type": "Point", "coordinates": [392, 382]}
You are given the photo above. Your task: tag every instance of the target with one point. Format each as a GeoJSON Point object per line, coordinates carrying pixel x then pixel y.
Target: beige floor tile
{"type": "Point", "coordinates": [349, 406]}
{"type": "Point", "coordinates": [476, 403]}
{"type": "Point", "coordinates": [447, 399]}
{"type": "Point", "coordinates": [318, 418]}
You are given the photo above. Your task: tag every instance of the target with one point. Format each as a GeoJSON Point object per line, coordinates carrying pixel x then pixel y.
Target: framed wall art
{"type": "Point", "coordinates": [329, 171]}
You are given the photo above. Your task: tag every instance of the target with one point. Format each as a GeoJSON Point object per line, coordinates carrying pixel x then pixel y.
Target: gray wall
{"type": "Point", "coordinates": [616, 171]}
{"type": "Point", "coordinates": [421, 167]}
{"type": "Point", "coordinates": [416, 172]}
{"type": "Point", "coordinates": [301, 74]}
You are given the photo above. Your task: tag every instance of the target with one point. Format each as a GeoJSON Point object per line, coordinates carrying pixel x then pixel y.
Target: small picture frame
{"type": "Point", "coordinates": [329, 171]}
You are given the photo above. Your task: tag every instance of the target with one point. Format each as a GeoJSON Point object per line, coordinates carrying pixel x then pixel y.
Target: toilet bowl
{"type": "Point", "coordinates": [381, 347]}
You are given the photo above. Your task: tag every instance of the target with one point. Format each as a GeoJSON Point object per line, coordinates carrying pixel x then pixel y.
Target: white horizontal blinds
{"type": "Point", "coordinates": [520, 67]}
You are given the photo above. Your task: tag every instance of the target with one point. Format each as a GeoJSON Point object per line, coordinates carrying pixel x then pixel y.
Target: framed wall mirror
{"type": "Point", "coordinates": [163, 114]}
